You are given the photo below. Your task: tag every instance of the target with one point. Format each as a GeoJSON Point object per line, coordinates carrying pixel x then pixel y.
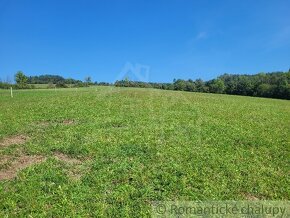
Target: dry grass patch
{"type": "Point", "coordinates": [76, 166]}
{"type": "Point", "coordinates": [44, 124]}
{"type": "Point", "coordinates": [19, 164]}
{"type": "Point", "coordinates": [13, 140]}
{"type": "Point", "coordinates": [68, 122]}
{"type": "Point", "coordinates": [49, 123]}
{"type": "Point", "coordinates": [250, 197]}
{"type": "Point", "coordinates": [66, 159]}
{"type": "Point", "coordinates": [4, 161]}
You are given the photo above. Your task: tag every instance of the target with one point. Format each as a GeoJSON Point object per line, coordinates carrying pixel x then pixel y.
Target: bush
{"type": "Point", "coordinates": [4, 85]}
{"type": "Point", "coordinates": [50, 85]}
{"type": "Point", "coordinates": [61, 84]}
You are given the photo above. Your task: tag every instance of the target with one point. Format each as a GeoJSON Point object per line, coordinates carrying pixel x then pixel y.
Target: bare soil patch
{"type": "Point", "coordinates": [13, 140]}
{"type": "Point", "coordinates": [250, 197]}
{"type": "Point", "coordinates": [68, 122]}
{"type": "Point", "coordinates": [4, 159]}
{"type": "Point", "coordinates": [67, 159]}
{"type": "Point", "coordinates": [18, 164]}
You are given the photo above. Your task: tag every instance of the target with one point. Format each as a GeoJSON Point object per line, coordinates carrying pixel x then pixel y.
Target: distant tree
{"type": "Point", "coordinates": [21, 79]}
{"type": "Point", "coordinates": [190, 86]}
{"type": "Point", "coordinates": [45, 79]}
{"type": "Point", "coordinates": [244, 85]}
{"type": "Point", "coordinates": [217, 86]}
{"type": "Point", "coordinates": [88, 80]}
{"type": "Point", "coordinates": [69, 81]}
{"type": "Point", "coordinates": [180, 85]}
{"type": "Point", "coordinates": [199, 85]}
{"type": "Point", "coordinates": [265, 90]}
{"type": "Point", "coordinates": [127, 79]}
{"type": "Point", "coordinates": [79, 84]}
{"type": "Point", "coordinates": [61, 84]}
{"type": "Point", "coordinates": [103, 84]}
{"type": "Point", "coordinates": [281, 89]}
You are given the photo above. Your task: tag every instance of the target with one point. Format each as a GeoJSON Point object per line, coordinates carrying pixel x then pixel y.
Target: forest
{"type": "Point", "coordinates": [270, 85]}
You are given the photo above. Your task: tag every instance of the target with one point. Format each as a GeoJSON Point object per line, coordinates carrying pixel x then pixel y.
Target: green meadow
{"type": "Point", "coordinates": [108, 151]}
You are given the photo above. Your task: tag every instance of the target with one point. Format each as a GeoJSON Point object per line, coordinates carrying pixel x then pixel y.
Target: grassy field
{"type": "Point", "coordinates": [111, 151]}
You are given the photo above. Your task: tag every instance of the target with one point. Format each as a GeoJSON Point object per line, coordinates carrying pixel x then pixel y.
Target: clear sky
{"type": "Point", "coordinates": [170, 38]}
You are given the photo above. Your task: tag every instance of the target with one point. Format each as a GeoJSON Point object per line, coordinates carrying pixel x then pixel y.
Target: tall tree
{"type": "Point", "coordinates": [21, 79]}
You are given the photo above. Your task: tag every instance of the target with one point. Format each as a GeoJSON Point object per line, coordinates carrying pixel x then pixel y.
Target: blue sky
{"type": "Point", "coordinates": [166, 38]}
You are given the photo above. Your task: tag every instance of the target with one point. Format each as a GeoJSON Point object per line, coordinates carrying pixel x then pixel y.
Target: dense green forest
{"type": "Point", "coordinates": [270, 85]}
{"type": "Point", "coordinates": [55, 79]}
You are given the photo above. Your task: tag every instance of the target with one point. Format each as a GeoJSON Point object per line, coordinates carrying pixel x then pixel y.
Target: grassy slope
{"type": "Point", "coordinates": [143, 145]}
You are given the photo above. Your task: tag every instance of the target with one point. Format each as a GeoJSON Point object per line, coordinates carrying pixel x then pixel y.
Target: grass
{"type": "Point", "coordinates": [135, 146]}
{"type": "Point", "coordinates": [40, 86]}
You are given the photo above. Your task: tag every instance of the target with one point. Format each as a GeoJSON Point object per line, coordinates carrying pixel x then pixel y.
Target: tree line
{"type": "Point", "coordinates": [270, 85]}
{"type": "Point", "coordinates": [30, 82]}
{"type": "Point", "coordinates": [59, 81]}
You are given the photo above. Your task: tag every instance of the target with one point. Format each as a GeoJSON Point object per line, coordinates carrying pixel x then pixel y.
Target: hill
{"type": "Point", "coordinates": [111, 151]}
